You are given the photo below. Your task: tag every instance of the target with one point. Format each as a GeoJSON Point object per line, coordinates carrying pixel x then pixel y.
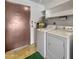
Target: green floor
{"type": "Point", "coordinates": [36, 55]}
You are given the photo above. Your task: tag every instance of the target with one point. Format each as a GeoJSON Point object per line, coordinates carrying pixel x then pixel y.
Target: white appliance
{"type": "Point", "coordinates": [55, 42]}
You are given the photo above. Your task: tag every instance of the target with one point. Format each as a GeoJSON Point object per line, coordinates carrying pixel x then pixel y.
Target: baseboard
{"type": "Point", "coordinates": [19, 48]}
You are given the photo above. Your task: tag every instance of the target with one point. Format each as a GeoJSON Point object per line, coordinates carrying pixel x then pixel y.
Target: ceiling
{"type": "Point", "coordinates": [41, 1]}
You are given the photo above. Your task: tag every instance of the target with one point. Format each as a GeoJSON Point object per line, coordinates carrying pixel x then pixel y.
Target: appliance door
{"type": "Point", "coordinates": [55, 47]}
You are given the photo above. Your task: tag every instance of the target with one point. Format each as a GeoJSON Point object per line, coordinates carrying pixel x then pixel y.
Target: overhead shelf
{"type": "Point", "coordinates": [62, 13]}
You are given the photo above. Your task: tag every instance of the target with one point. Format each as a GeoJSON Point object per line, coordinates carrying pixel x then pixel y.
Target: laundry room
{"type": "Point", "coordinates": [39, 29]}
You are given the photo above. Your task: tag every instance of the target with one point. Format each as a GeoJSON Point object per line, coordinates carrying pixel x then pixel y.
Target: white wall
{"type": "Point", "coordinates": [35, 12]}
{"type": "Point", "coordinates": [66, 6]}
{"type": "Point", "coordinates": [54, 3]}
{"type": "Point", "coordinates": [61, 21]}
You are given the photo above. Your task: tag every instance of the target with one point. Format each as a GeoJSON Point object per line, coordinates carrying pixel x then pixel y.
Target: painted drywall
{"type": "Point", "coordinates": [54, 3]}
{"type": "Point", "coordinates": [61, 21]}
{"type": "Point", "coordinates": [35, 13]}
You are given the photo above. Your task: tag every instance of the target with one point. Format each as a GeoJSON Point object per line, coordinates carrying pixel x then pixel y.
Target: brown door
{"type": "Point", "coordinates": [17, 25]}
